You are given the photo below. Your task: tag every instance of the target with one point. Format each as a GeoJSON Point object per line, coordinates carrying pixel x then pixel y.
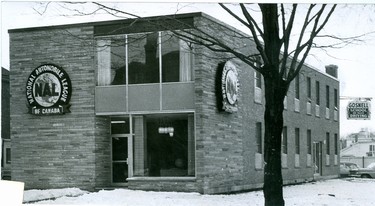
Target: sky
{"type": "Point", "coordinates": [356, 63]}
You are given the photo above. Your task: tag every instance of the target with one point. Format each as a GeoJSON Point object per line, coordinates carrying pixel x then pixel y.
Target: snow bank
{"type": "Point", "coordinates": [38, 195]}
{"type": "Point", "coordinates": [340, 192]}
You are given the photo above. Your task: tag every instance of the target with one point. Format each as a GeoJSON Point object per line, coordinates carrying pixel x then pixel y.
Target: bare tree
{"type": "Point", "coordinates": [276, 59]}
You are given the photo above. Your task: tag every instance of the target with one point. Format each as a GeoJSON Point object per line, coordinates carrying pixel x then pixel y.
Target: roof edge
{"type": "Point", "coordinates": [98, 23]}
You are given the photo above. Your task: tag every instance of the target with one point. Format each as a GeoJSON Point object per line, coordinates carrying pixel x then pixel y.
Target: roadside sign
{"type": "Point", "coordinates": [359, 110]}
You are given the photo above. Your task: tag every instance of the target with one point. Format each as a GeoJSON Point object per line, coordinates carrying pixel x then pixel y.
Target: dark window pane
{"type": "Point", "coordinates": [118, 71]}
{"type": "Point", "coordinates": [119, 149]}
{"type": "Point", "coordinates": [7, 156]}
{"type": "Point", "coordinates": [143, 58]}
{"type": "Point", "coordinates": [120, 172]}
{"type": "Point", "coordinates": [120, 127]}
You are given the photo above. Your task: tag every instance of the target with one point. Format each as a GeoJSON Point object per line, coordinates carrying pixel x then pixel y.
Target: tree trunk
{"type": "Point", "coordinates": [275, 91]}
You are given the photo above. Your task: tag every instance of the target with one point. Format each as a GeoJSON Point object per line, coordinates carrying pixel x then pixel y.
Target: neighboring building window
{"type": "Point", "coordinates": [327, 143]}
{"type": "Point", "coordinates": [371, 151]}
{"type": "Point", "coordinates": [336, 145]}
{"type": "Point", "coordinates": [258, 133]}
{"type": "Point", "coordinates": [296, 86]}
{"type": "Point", "coordinates": [284, 140]}
{"type": "Point", "coordinates": [317, 92]}
{"type": "Point", "coordinates": [309, 144]}
{"type": "Point", "coordinates": [297, 140]}
{"type": "Point", "coordinates": [327, 96]}
{"type": "Point", "coordinates": [308, 88]}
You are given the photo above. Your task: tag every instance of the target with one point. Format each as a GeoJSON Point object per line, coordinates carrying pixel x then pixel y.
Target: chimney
{"type": "Point", "coordinates": [332, 70]}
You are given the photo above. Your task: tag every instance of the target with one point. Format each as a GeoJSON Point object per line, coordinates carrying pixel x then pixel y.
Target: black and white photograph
{"type": "Point", "coordinates": [231, 103]}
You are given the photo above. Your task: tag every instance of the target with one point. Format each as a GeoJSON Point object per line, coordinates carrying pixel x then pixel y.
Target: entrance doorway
{"type": "Point", "coordinates": [317, 158]}
{"type": "Point", "coordinates": [120, 142]}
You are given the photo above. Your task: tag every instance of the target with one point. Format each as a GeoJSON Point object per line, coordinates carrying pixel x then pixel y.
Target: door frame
{"type": "Point", "coordinates": [129, 160]}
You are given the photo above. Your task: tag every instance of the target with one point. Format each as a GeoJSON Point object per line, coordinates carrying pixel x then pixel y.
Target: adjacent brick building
{"type": "Point", "coordinates": [145, 110]}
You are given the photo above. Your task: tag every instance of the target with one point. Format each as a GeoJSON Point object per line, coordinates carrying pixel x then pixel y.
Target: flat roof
{"type": "Point", "coordinates": [109, 22]}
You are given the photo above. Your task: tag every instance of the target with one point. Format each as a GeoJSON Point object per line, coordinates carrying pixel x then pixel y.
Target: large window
{"type": "Point", "coordinates": [143, 58]}
{"type": "Point", "coordinates": [164, 145]}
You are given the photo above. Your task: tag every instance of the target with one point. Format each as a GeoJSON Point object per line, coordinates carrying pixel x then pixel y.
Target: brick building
{"type": "Point", "coordinates": [127, 103]}
{"type": "Point", "coordinates": [5, 125]}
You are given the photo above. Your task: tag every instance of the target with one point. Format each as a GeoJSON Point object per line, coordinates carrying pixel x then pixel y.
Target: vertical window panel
{"type": "Point", "coordinates": [284, 140]}
{"type": "Point", "coordinates": [296, 86]}
{"type": "Point", "coordinates": [317, 92]}
{"type": "Point", "coordinates": [143, 58]}
{"type": "Point", "coordinates": [297, 141]}
{"type": "Point", "coordinates": [309, 142]}
{"type": "Point", "coordinates": [258, 134]}
{"type": "Point", "coordinates": [328, 143]}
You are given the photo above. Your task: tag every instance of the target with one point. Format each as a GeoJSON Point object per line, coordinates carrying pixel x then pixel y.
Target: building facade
{"type": "Point", "coordinates": [128, 103]}
{"type": "Point", "coordinates": [5, 126]}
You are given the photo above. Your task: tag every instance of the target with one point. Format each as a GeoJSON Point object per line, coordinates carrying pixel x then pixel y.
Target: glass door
{"type": "Point", "coordinates": [119, 159]}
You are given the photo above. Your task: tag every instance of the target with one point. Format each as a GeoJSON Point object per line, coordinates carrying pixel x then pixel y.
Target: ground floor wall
{"type": "Point", "coordinates": [67, 152]}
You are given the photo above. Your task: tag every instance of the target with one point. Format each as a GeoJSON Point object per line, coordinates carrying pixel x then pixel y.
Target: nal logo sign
{"type": "Point", "coordinates": [48, 90]}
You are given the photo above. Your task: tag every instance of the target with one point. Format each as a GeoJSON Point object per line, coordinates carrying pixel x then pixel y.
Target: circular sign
{"type": "Point", "coordinates": [48, 90]}
{"type": "Point", "coordinates": [230, 87]}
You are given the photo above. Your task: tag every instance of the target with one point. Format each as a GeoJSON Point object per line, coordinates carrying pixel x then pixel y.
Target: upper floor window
{"type": "Point", "coordinates": [327, 96]}
{"type": "Point", "coordinates": [143, 58]}
{"type": "Point", "coordinates": [308, 87]}
{"type": "Point", "coordinates": [317, 92]}
{"type": "Point", "coordinates": [335, 100]}
{"type": "Point", "coordinates": [296, 86]}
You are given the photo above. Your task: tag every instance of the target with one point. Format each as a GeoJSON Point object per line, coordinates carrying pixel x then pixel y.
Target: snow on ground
{"type": "Point", "coordinates": [340, 192]}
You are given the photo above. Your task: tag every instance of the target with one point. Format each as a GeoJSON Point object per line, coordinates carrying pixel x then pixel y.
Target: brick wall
{"type": "Point", "coordinates": [226, 143]}
{"type": "Point", "coordinates": [65, 150]}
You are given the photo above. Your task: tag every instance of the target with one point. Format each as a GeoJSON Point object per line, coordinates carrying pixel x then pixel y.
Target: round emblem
{"type": "Point", "coordinates": [48, 90]}
{"type": "Point", "coordinates": [230, 87]}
